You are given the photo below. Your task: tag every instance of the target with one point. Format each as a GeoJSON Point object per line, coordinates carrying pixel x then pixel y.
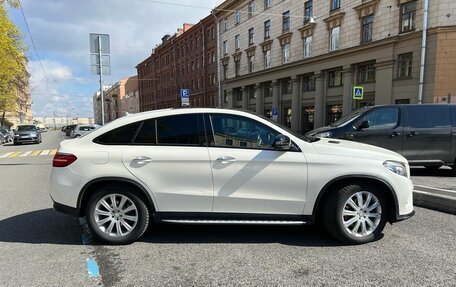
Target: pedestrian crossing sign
{"type": "Point", "coordinates": [358, 93]}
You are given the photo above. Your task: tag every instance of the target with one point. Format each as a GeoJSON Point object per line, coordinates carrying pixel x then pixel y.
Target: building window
{"type": "Point", "coordinates": [308, 83]}
{"type": "Point", "coordinates": [405, 65]}
{"type": "Point", "coordinates": [267, 3]}
{"type": "Point", "coordinates": [366, 73]}
{"type": "Point", "coordinates": [334, 38]}
{"type": "Point", "coordinates": [286, 21]}
{"type": "Point", "coordinates": [267, 90]}
{"type": "Point", "coordinates": [251, 8]}
{"type": "Point", "coordinates": [225, 71]}
{"type": "Point", "coordinates": [225, 24]}
{"type": "Point", "coordinates": [307, 46]}
{"type": "Point", "coordinates": [408, 16]}
{"type": "Point", "coordinates": [335, 78]}
{"type": "Point", "coordinates": [287, 86]}
{"type": "Point", "coordinates": [366, 30]}
{"type": "Point", "coordinates": [237, 42]}
{"type": "Point", "coordinates": [251, 64]}
{"type": "Point", "coordinates": [225, 47]}
{"type": "Point", "coordinates": [267, 29]}
{"type": "Point", "coordinates": [237, 68]}
{"type": "Point", "coordinates": [285, 53]}
{"type": "Point", "coordinates": [334, 113]}
{"type": "Point", "coordinates": [308, 10]}
{"type": "Point", "coordinates": [237, 17]}
{"type": "Point", "coordinates": [251, 36]}
{"type": "Point", "coordinates": [335, 4]}
{"type": "Point", "coordinates": [267, 59]}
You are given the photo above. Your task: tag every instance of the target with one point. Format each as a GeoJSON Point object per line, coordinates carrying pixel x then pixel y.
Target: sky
{"type": "Point", "coordinates": [61, 82]}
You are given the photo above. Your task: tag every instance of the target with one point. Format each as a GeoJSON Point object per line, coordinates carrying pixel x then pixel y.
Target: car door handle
{"type": "Point", "coordinates": [226, 159]}
{"type": "Point", "coordinates": [394, 134]}
{"type": "Point", "coordinates": [142, 159]}
{"type": "Point", "coordinates": [411, 134]}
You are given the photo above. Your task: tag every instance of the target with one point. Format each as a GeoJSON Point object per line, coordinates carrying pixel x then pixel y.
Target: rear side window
{"type": "Point", "coordinates": [147, 134]}
{"type": "Point", "coordinates": [120, 136]}
{"type": "Point", "coordinates": [181, 130]}
{"type": "Point", "coordinates": [427, 117]}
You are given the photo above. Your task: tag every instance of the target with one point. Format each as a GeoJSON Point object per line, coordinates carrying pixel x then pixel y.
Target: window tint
{"type": "Point", "coordinates": [120, 136]}
{"type": "Point", "coordinates": [428, 116]}
{"type": "Point", "coordinates": [147, 134]}
{"type": "Point", "coordinates": [240, 132]}
{"type": "Point", "coordinates": [181, 130]}
{"type": "Point", "coordinates": [385, 118]}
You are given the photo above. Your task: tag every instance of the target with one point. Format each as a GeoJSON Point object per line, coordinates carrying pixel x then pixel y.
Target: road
{"type": "Point", "coordinates": [40, 247]}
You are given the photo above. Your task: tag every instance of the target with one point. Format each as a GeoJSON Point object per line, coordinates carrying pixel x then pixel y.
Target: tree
{"type": "Point", "coordinates": [12, 61]}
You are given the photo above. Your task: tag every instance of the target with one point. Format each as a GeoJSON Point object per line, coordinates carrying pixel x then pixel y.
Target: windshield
{"type": "Point", "coordinates": [349, 117]}
{"type": "Point", "coordinates": [26, 128]}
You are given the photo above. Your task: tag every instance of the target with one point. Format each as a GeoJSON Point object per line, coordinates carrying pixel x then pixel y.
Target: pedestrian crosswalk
{"type": "Point", "coordinates": [30, 153]}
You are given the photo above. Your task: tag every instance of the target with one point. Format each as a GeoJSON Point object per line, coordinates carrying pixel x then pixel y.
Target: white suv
{"type": "Point", "coordinates": [223, 167]}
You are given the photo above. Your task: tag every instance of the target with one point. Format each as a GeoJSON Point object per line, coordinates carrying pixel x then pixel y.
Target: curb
{"type": "Point", "coordinates": [435, 198]}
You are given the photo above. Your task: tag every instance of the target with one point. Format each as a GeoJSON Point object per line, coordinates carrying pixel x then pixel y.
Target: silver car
{"type": "Point", "coordinates": [81, 130]}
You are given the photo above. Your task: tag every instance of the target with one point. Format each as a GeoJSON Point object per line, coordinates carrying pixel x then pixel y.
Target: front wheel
{"type": "Point", "coordinates": [117, 216]}
{"type": "Point", "coordinates": [356, 213]}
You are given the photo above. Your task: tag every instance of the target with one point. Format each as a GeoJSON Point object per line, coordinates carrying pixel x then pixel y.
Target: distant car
{"type": "Point", "coordinates": [63, 128]}
{"type": "Point", "coordinates": [68, 129]}
{"type": "Point", "coordinates": [4, 136]}
{"type": "Point", "coordinates": [44, 129]}
{"type": "Point", "coordinates": [203, 166]}
{"type": "Point", "coordinates": [27, 134]}
{"type": "Point", "coordinates": [81, 130]}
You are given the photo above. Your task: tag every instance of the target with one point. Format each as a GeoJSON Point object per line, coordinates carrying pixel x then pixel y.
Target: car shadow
{"type": "Point", "coordinates": [42, 226]}
{"type": "Point", "coordinates": [238, 234]}
{"type": "Point", "coordinates": [441, 172]}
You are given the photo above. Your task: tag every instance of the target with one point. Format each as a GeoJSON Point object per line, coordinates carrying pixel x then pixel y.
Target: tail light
{"type": "Point", "coordinates": [63, 159]}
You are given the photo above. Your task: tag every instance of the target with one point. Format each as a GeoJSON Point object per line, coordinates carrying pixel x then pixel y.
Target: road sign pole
{"type": "Point", "coordinates": [101, 82]}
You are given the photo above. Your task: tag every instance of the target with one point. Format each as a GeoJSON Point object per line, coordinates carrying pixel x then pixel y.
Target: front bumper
{"type": "Point", "coordinates": [26, 139]}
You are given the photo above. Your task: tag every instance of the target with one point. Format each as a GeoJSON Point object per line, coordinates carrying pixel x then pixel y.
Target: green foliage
{"type": "Point", "coordinates": [12, 60]}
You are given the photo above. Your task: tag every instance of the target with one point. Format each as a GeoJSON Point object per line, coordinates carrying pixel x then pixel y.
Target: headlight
{"type": "Point", "coordinates": [396, 167]}
{"type": "Point", "coordinates": [323, 135]}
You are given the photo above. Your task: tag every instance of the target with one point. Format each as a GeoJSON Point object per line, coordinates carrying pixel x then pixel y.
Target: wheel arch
{"type": "Point", "coordinates": [347, 179]}
{"type": "Point", "coordinates": [90, 187]}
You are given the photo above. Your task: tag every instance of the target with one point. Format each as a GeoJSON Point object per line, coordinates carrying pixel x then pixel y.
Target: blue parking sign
{"type": "Point", "coordinates": [185, 93]}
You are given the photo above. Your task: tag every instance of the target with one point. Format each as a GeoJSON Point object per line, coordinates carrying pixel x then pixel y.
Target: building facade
{"type": "Point", "coordinates": [185, 60]}
{"type": "Point", "coordinates": [22, 111]}
{"type": "Point", "coordinates": [115, 97]}
{"type": "Point", "coordinates": [97, 105]}
{"type": "Point", "coordinates": [298, 61]}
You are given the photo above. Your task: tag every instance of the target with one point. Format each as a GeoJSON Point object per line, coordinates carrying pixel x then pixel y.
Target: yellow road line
{"type": "Point", "coordinates": [6, 155]}
{"type": "Point", "coordinates": [35, 153]}
{"type": "Point", "coordinates": [45, 152]}
{"type": "Point", "coordinates": [16, 154]}
{"type": "Point", "coordinates": [53, 152]}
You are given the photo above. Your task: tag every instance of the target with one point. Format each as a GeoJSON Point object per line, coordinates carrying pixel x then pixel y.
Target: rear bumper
{"type": "Point", "coordinates": [66, 209]}
{"type": "Point", "coordinates": [404, 217]}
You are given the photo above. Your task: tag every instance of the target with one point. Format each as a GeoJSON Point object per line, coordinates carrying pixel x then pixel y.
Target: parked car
{"type": "Point", "coordinates": [424, 134]}
{"type": "Point", "coordinates": [27, 134]}
{"type": "Point", "coordinates": [191, 166]}
{"type": "Point", "coordinates": [81, 130]}
{"type": "Point", "coordinates": [68, 129]}
{"type": "Point", "coordinates": [4, 136]}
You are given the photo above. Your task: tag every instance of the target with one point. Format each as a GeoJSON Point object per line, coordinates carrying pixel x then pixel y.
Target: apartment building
{"type": "Point", "coordinates": [297, 61]}
{"type": "Point", "coordinates": [185, 60]}
{"type": "Point", "coordinates": [115, 97]}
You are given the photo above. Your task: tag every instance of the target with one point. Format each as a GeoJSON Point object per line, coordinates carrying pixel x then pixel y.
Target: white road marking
{"type": "Point", "coordinates": [45, 152]}
{"type": "Point", "coordinates": [26, 153]}
{"type": "Point", "coordinates": [6, 155]}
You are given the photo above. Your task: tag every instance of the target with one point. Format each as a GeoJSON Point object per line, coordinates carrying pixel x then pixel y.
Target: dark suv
{"type": "Point", "coordinates": [27, 134]}
{"type": "Point", "coordinates": [424, 134]}
{"type": "Point", "coordinates": [68, 129]}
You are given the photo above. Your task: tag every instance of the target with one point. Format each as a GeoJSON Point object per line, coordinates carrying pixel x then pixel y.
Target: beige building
{"type": "Point", "coordinates": [22, 113]}
{"type": "Point", "coordinates": [97, 105]}
{"type": "Point", "coordinates": [302, 58]}
{"type": "Point", "coordinates": [119, 94]}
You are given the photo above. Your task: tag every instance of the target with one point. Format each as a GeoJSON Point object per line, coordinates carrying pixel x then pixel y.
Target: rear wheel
{"type": "Point", "coordinates": [117, 216]}
{"type": "Point", "coordinates": [356, 213]}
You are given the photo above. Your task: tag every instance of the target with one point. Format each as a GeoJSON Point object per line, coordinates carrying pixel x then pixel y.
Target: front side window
{"type": "Point", "coordinates": [405, 65]}
{"type": "Point", "coordinates": [335, 4]}
{"type": "Point", "coordinates": [240, 132]}
{"type": "Point", "coordinates": [334, 38]}
{"type": "Point", "coordinates": [366, 73]}
{"type": "Point", "coordinates": [267, 29]}
{"type": "Point", "coordinates": [408, 16]}
{"type": "Point", "coordinates": [307, 46]}
{"type": "Point", "coordinates": [385, 118]}
{"type": "Point", "coordinates": [251, 36]}
{"type": "Point", "coordinates": [367, 28]}
{"type": "Point", "coordinates": [285, 53]}
{"type": "Point", "coordinates": [335, 78]}
{"type": "Point", "coordinates": [286, 21]}
{"type": "Point", "coordinates": [181, 130]}
{"type": "Point", "coordinates": [308, 10]}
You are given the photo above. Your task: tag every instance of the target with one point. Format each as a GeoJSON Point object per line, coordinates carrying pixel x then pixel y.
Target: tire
{"type": "Point", "coordinates": [338, 202]}
{"type": "Point", "coordinates": [138, 215]}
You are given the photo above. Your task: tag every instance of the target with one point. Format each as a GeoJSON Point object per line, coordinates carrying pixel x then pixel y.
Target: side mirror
{"type": "Point", "coordinates": [363, 125]}
{"type": "Point", "coordinates": [282, 142]}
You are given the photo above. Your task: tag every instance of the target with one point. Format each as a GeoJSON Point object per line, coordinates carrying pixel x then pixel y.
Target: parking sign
{"type": "Point", "coordinates": [185, 97]}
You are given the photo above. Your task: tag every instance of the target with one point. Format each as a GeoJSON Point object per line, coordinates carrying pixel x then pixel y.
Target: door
{"type": "Point", "coordinates": [385, 129]}
{"type": "Point", "coordinates": [427, 133]}
{"type": "Point", "coordinates": [249, 175]}
{"type": "Point", "coordinates": [170, 156]}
